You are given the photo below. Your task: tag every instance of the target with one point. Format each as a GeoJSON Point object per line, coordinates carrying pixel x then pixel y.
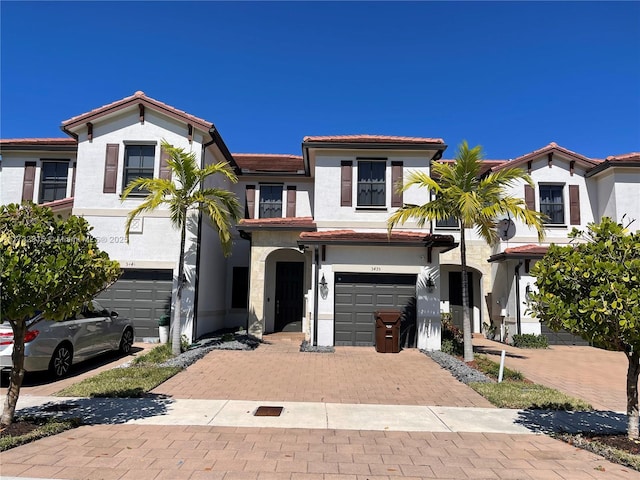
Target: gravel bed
{"type": "Point", "coordinates": [458, 369]}
{"type": "Point", "coordinates": [200, 348]}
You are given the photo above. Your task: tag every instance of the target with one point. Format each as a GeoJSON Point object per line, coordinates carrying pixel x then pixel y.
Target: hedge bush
{"type": "Point", "coordinates": [530, 340]}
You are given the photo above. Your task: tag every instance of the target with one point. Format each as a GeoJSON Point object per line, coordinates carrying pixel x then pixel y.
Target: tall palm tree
{"type": "Point", "coordinates": [187, 194]}
{"type": "Point", "coordinates": [475, 201]}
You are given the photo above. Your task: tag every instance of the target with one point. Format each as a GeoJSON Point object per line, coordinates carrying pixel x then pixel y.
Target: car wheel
{"type": "Point", "coordinates": [61, 360]}
{"type": "Point", "coordinates": [126, 341]}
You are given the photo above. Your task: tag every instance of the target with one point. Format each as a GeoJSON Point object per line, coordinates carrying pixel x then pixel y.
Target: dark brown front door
{"type": "Point", "coordinates": [289, 296]}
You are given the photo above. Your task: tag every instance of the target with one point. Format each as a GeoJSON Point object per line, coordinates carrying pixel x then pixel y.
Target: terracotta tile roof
{"type": "Point", "coordinates": [625, 160]}
{"type": "Point", "coordinates": [38, 141]}
{"type": "Point", "coordinates": [531, 248]}
{"type": "Point", "coordinates": [137, 98]}
{"type": "Point", "coordinates": [61, 204]}
{"type": "Point", "coordinates": [268, 162]}
{"type": "Point", "coordinates": [286, 223]}
{"type": "Point", "coordinates": [374, 238]}
{"type": "Point", "coordinates": [626, 157]}
{"type": "Point", "coordinates": [370, 139]}
{"type": "Point", "coordinates": [551, 148]}
{"type": "Point", "coordinates": [486, 164]}
{"type": "Point", "coordinates": [520, 252]}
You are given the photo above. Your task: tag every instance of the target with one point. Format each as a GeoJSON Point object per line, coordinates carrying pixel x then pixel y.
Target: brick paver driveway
{"type": "Point", "coordinates": [277, 370]}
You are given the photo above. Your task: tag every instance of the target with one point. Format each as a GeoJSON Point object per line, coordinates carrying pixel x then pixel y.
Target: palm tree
{"type": "Point", "coordinates": [474, 201]}
{"type": "Point", "coordinates": [187, 194]}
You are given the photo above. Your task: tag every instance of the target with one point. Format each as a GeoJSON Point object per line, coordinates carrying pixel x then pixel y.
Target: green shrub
{"type": "Point", "coordinates": [452, 337]}
{"type": "Point", "coordinates": [529, 340]}
{"type": "Point", "coordinates": [448, 347]}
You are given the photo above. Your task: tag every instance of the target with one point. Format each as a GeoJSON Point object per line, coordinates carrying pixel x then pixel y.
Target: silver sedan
{"type": "Point", "coordinates": [55, 346]}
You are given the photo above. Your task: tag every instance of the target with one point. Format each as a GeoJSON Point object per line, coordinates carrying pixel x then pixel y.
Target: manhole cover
{"type": "Point", "coordinates": [268, 412]}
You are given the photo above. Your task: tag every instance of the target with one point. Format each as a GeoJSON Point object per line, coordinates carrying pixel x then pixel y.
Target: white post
{"type": "Point", "coordinates": [501, 366]}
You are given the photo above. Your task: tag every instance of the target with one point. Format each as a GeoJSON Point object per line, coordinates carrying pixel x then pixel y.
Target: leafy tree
{"type": "Point", "coordinates": [592, 289]}
{"type": "Point", "coordinates": [474, 201]}
{"type": "Point", "coordinates": [49, 265]}
{"type": "Point", "coordinates": [187, 194]}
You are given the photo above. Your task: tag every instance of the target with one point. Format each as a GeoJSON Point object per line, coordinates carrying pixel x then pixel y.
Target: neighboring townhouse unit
{"type": "Point", "coordinates": [312, 254]}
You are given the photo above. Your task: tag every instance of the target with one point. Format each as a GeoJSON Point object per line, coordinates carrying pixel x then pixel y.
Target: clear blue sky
{"type": "Point", "coordinates": [510, 76]}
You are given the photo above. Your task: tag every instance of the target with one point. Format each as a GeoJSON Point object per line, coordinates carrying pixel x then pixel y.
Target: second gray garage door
{"type": "Point", "coordinates": [142, 296]}
{"type": "Point", "coordinates": [359, 295]}
{"type": "Point", "coordinates": [562, 337]}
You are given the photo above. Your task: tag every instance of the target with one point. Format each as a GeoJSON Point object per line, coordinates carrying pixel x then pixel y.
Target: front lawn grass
{"type": "Point", "coordinates": [155, 356]}
{"type": "Point", "coordinates": [129, 382]}
{"type": "Point", "coordinates": [492, 369]}
{"type": "Point", "coordinates": [525, 395]}
{"type": "Point", "coordinates": [27, 429]}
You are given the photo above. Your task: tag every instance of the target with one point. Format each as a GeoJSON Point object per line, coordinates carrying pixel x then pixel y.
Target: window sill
{"type": "Point", "coordinates": [556, 225]}
{"type": "Point", "coordinates": [136, 195]}
{"type": "Point", "coordinates": [382, 208]}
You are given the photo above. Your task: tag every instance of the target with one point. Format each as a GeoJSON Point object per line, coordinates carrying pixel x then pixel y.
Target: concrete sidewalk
{"type": "Point", "coordinates": [319, 415]}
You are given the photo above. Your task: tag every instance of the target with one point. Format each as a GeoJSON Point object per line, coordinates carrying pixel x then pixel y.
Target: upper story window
{"type": "Point", "coordinates": [449, 222]}
{"type": "Point", "coordinates": [139, 161]}
{"type": "Point", "coordinates": [270, 201]}
{"type": "Point", "coordinates": [53, 180]}
{"type": "Point", "coordinates": [552, 203]}
{"type": "Point", "coordinates": [372, 183]}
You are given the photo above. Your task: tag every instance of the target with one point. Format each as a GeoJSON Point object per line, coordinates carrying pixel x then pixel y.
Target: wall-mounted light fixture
{"type": "Point", "coordinates": [324, 288]}
{"type": "Point", "coordinates": [430, 284]}
{"type": "Point", "coordinates": [527, 294]}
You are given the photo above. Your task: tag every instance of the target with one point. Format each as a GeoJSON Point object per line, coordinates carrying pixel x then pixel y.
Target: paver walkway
{"type": "Point", "coordinates": [592, 374]}
{"type": "Point", "coordinates": [278, 371]}
{"type": "Point", "coordinates": [196, 452]}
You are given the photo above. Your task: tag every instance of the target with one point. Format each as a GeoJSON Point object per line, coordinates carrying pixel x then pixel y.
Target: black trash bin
{"type": "Point", "coordinates": [388, 331]}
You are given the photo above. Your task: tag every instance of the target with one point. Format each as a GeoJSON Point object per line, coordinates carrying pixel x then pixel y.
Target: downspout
{"type": "Point", "coordinates": [315, 295]}
{"type": "Point", "coordinates": [517, 273]}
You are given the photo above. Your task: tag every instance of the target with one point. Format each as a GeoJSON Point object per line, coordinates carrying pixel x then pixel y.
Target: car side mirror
{"type": "Point", "coordinates": [114, 314]}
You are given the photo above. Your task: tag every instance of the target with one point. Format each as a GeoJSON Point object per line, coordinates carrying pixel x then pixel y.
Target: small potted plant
{"type": "Point", "coordinates": [489, 330]}
{"type": "Point", "coordinates": [163, 327]}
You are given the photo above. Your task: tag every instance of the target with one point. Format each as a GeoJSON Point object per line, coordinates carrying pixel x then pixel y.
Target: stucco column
{"type": "Point", "coordinates": [428, 321]}
{"type": "Point", "coordinates": [256, 295]}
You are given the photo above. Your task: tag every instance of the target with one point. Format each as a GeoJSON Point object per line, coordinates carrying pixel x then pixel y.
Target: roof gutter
{"type": "Point", "coordinates": [608, 163]}
{"type": "Point", "coordinates": [69, 132]}
{"type": "Point", "coordinates": [217, 139]}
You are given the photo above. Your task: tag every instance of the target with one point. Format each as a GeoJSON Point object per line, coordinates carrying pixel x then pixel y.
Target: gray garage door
{"type": "Point", "coordinates": [359, 295]}
{"type": "Point", "coordinates": [142, 295]}
{"type": "Point", "coordinates": [562, 337]}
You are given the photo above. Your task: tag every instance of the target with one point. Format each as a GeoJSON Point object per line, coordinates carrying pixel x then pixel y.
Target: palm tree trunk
{"type": "Point", "coordinates": [632, 394]}
{"type": "Point", "coordinates": [466, 320]}
{"type": "Point", "coordinates": [177, 307]}
{"type": "Point", "coordinates": [17, 373]}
